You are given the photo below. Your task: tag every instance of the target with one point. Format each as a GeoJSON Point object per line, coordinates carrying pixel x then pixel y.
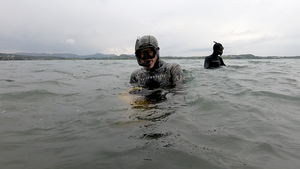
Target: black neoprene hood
{"type": "Point", "coordinates": [145, 42]}
{"type": "Point", "coordinates": [218, 46]}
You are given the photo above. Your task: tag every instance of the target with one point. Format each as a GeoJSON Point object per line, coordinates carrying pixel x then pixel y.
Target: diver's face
{"type": "Point", "coordinates": [150, 60]}
{"type": "Point", "coordinates": [220, 52]}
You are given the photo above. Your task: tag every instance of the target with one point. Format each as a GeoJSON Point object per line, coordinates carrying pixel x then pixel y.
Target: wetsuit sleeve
{"type": "Point", "coordinates": [133, 80]}
{"type": "Point", "coordinates": [177, 75]}
{"type": "Point", "coordinates": [206, 63]}
{"type": "Point", "coordinates": [222, 63]}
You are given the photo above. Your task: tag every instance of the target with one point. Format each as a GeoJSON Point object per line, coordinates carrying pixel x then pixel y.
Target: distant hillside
{"type": "Point", "coordinates": [66, 55]}
{"type": "Point", "coordinates": [60, 56]}
{"type": "Point", "coordinates": [100, 56]}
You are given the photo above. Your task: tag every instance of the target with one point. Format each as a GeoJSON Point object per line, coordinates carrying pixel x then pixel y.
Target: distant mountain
{"type": "Point", "coordinates": [100, 56]}
{"type": "Point", "coordinates": [67, 55]}
{"type": "Point", "coordinates": [63, 55]}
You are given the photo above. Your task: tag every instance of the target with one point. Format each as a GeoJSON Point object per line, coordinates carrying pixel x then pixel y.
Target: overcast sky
{"type": "Point", "coordinates": [182, 27]}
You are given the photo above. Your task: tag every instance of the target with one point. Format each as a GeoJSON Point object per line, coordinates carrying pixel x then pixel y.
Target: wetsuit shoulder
{"type": "Point", "coordinates": [176, 72]}
{"type": "Point", "coordinates": [222, 62]}
{"type": "Point", "coordinates": [207, 62]}
{"type": "Point", "coordinates": [134, 75]}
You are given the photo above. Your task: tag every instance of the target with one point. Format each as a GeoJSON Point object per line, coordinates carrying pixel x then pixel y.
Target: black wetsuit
{"type": "Point", "coordinates": [213, 61]}
{"type": "Point", "coordinates": [160, 76]}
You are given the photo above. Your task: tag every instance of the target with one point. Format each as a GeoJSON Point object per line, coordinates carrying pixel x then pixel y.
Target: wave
{"type": "Point", "coordinates": [29, 96]}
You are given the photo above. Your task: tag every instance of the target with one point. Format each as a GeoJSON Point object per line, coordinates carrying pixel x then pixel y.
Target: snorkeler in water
{"type": "Point", "coordinates": [154, 73]}
{"type": "Point", "coordinates": [214, 60]}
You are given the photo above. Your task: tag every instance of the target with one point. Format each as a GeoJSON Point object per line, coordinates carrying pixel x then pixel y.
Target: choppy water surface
{"type": "Point", "coordinates": [69, 114]}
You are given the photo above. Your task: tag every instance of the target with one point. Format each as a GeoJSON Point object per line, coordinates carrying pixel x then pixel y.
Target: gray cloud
{"type": "Point", "coordinates": [183, 28]}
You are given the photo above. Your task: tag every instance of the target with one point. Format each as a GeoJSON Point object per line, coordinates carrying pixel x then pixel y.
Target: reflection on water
{"type": "Point", "coordinates": [150, 104]}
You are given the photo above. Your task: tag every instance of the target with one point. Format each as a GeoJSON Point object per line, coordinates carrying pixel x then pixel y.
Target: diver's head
{"type": "Point", "coordinates": [218, 48]}
{"type": "Point", "coordinates": [147, 51]}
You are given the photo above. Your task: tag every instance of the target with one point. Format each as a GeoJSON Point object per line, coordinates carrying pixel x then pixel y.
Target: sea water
{"type": "Point", "coordinates": [69, 114]}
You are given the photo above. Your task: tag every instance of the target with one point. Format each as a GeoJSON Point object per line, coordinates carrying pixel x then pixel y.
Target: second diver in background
{"type": "Point", "coordinates": [214, 60]}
